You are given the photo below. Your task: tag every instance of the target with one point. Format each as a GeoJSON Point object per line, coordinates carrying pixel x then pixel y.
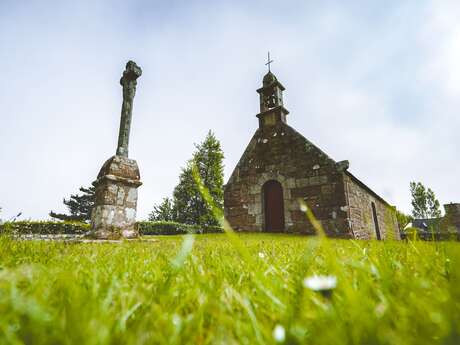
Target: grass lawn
{"type": "Point", "coordinates": [214, 289]}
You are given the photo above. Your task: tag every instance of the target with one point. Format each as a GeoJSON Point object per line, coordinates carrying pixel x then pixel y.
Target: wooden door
{"type": "Point", "coordinates": [273, 206]}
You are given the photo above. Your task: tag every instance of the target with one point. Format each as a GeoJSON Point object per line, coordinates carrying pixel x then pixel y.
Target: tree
{"type": "Point", "coordinates": [79, 206]}
{"type": "Point", "coordinates": [424, 202]}
{"type": "Point", "coordinates": [189, 205]}
{"type": "Point", "coordinates": [433, 206]}
{"type": "Point", "coordinates": [163, 212]}
{"type": "Point", "coordinates": [402, 218]}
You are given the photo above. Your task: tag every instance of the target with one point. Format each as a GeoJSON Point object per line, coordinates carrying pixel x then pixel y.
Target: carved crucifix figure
{"type": "Point", "coordinates": [129, 82]}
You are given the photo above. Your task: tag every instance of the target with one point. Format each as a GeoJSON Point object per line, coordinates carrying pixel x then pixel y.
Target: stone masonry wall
{"type": "Point", "coordinates": [452, 217]}
{"type": "Point", "coordinates": [361, 215]}
{"type": "Point", "coordinates": [114, 214]}
{"type": "Point", "coordinates": [117, 205]}
{"type": "Point", "coordinates": [305, 173]}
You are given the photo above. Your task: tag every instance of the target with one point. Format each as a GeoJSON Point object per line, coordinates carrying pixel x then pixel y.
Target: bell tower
{"type": "Point", "coordinates": [272, 110]}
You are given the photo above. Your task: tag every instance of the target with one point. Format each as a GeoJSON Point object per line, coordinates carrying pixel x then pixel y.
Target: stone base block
{"type": "Point", "coordinates": [113, 222]}
{"type": "Point", "coordinates": [114, 215]}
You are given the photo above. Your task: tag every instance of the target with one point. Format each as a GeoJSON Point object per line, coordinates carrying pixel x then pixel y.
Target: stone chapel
{"type": "Point", "coordinates": [280, 168]}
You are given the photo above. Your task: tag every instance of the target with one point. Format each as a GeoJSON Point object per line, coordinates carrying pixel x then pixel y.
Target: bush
{"type": "Point", "coordinates": [214, 229]}
{"type": "Point", "coordinates": [174, 228]}
{"type": "Point", "coordinates": [68, 228]}
{"type": "Point", "coordinates": [43, 228]}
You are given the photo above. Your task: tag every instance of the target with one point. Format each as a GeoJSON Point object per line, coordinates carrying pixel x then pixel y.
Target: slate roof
{"type": "Point", "coordinates": [426, 224]}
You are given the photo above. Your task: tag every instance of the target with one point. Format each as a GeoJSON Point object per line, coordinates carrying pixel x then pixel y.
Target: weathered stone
{"type": "Point", "coordinates": [315, 180]}
{"type": "Point", "coordinates": [291, 182]}
{"type": "Point", "coordinates": [302, 182]}
{"type": "Point", "coordinates": [343, 165]}
{"type": "Point", "coordinates": [129, 83]}
{"type": "Point", "coordinates": [452, 218]}
{"type": "Point", "coordinates": [114, 215]}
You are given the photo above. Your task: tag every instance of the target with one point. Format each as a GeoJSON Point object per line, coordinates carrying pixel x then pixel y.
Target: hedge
{"type": "Point", "coordinates": [145, 228]}
{"type": "Point", "coordinates": [43, 228]}
{"type": "Point", "coordinates": [174, 228]}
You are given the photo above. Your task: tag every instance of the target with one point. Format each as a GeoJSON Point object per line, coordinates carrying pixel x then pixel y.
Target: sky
{"type": "Point", "coordinates": [373, 82]}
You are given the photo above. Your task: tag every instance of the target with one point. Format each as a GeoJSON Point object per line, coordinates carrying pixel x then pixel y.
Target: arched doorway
{"type": "Point", "coordinates": [273, 206]}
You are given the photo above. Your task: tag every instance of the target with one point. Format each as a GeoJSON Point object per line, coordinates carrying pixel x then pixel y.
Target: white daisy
{"type": "Point", "coordinates": [279, 334]}
{"type": "Point", "coordinates": [320, 283]}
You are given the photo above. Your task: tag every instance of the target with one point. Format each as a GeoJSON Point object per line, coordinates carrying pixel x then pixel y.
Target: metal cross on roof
{"type": "Point", "coordinates": [268, 62]}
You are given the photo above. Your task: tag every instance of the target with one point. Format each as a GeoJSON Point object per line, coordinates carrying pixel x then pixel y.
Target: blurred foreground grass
{"type": "Point", "coordinates": [215, 289]}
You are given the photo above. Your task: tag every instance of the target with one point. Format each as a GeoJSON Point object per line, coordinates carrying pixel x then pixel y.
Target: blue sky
{"type": "Point", "coordinates": [377, 83]}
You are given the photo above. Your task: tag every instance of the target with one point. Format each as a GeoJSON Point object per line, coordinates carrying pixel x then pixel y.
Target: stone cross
{"type": "Point", "coordinates": [129, 82]}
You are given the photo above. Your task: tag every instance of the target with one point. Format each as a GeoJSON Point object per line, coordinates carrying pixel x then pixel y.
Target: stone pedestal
{"type": "Point", "coordinates": [114, 214]}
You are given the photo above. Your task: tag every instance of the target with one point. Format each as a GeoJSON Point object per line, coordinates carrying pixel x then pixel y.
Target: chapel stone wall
{"type": "Point", "coordinates": [305, 173]}
{"type": "Point", "coordinates": [361, 217]}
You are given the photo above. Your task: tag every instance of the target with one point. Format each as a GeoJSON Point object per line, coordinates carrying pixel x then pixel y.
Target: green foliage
{"type": "Point", "coordinates": [424, 202]}
{"type": "Point", "coordinates": [75, 228]}
{"type": "Point", "coordinates": [190, 206]}
{"type": "Point", "coordinates": [402, 218]}
{"type": "Point", "coordinates": [79, 206]}
{"type": "Point", "coordinates": [433, 205]}
{"type": "Point", "coordinates": [163, 212]}
{"type": "Point", "coordinates": [43, 228]}
{"type": "Point", "coordinates": [174, 228]}
{"type": "Point", "coordinates": [210, 290]}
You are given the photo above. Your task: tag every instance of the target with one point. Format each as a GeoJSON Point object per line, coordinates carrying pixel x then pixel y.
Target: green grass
{"type": "Point", "coordinates": [216, 289]}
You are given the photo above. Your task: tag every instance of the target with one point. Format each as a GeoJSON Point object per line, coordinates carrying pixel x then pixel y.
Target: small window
{"type": "Point", "coordinates": [376, 221]}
